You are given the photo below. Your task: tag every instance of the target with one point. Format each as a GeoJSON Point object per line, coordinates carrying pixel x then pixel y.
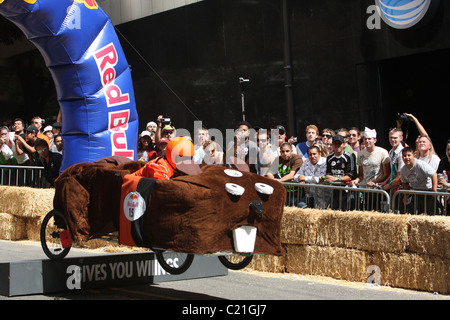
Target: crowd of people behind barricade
{"type": "Point", "coordinates": [347, 157]}
{"type": "Point", "coordinates": [30, 145]}
{"type": "Point", "coordinates": [344, 156]}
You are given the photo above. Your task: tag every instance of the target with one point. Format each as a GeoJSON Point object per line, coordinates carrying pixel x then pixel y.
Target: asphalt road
{"type": "Point", "coordinates": [241, 286]}
{"type": "Point", "coordinates": [236, 287]}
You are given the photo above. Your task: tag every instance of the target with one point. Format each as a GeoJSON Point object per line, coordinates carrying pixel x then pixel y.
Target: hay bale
{"type": "Point", "coordinates": [33, 226]}
{"type": "Point", "coordinates": [338, 263]}
{"type": "Point", "coordinates": [12, 227]}
{"type": "Point", "coordinates": [268, 263]}
{"type": "Point", "coordinates": [299, 226]}
{"type": "Point", "coordinates": [430, 235]}
{"type": "Point", "coordinates": [413, 271]}
{"type": "Point", "coordinates": [370, 231]}
{"type": "Point", "coordinates": [25, 201]}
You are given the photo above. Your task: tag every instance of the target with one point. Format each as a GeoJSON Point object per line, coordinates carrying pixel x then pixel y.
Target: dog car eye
{"type": "Point", "coordinates": [263, 188]}
{"type": "Point", "coordinates": [234, 189]}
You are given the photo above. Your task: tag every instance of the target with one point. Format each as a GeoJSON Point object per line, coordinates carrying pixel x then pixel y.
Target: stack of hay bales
{"type": "Point", "coordinates": [22, 210]}
{"type": "Point", "coordinates": [403, 251]}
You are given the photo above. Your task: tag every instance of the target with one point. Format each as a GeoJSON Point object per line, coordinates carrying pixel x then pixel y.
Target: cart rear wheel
{"type": "Point", "coordinates": [55, 235]}
{"type": "Point", "coordinates": [174, 262]}
{"type": "Point", "coordinates": [235, 262]}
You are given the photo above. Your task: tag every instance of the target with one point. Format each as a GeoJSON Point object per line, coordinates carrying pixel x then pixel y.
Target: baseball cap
{"type": "Point", "coordinates": [57, 125]}
{"type": "Point", "coordinates": [145, 133]}
{"type": "Point", "coordinates": [338, 137]}
{"type": "Point", "coordinates": [151, 123]}
{"type": "Point", "coordinates": [32, 129]}
{"type": "Point", "coordinates": [163, 140]}
{"type": "Point", "coordinates": [47, 128]}
{"type": "Point", "coordinates": [280, 128]}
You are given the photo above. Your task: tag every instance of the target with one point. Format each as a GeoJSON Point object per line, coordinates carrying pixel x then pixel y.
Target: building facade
{"type": "Point", "coordinates": [349, 66]}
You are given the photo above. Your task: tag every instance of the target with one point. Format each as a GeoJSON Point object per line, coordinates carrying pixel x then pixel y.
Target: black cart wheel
{"type": "Point", "coordinates": [174, 262]}
{"type": "Point", "coordinates": [235, 262]}
{"type": "Point", "coordinates": [55, 235]}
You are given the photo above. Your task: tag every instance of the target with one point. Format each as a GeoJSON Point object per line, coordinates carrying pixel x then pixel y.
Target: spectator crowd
{"type": "Point", "coordinates": [36, 144]}
{"type": "Point", "coordinates": [345, 156]}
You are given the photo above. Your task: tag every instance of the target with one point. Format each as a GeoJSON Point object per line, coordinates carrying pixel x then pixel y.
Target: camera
{"type": "Point", "coordinates": [403, 117]}
{"type": "Point", "coordinates": [165, 121]}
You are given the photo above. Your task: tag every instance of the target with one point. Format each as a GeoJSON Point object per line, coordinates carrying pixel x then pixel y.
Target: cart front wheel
{"type": "Point", "coordinates": [55, 235]}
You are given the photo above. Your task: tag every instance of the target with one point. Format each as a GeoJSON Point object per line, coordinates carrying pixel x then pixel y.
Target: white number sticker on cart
{"type": "Point", "coordinates": [134, 206]}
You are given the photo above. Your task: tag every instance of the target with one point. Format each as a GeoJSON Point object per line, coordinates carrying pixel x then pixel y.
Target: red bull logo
{"type": "Point", "coordinates": [106, 59]}
{"type": "Point", "coordinates": [117, 125]}
{"type": "Point", "coordinates": [134, 196]}
{"type": "Point", "coordinates": [90, 4]}
{"type": "Point", "coordinates": [27, 1]}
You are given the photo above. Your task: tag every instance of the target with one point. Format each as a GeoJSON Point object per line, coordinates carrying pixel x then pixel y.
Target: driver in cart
{"type": "Point", "coordinates": [178, 151]}
{"type": "Point", "coordinates": [138, 186]}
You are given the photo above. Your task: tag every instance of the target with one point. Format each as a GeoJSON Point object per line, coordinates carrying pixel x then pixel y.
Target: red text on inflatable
{"type": "Point", "coordinates": [106, 59]}
{"type": "Point", "coordinates": [118, 124]}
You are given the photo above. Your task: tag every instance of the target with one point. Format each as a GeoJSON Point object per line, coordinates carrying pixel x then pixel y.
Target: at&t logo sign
{"type": "Point", "coordinates": [399, 14]}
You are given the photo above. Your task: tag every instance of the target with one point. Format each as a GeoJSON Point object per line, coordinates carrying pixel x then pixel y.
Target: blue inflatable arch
{"type": "Point", "coordinates": [91, 74]}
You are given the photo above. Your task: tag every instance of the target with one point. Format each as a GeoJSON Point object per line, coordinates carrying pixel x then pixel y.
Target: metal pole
{"type": "Point", "coordinates": [241, 82]}
{"type": "Point", "coordinates": [292, 123]}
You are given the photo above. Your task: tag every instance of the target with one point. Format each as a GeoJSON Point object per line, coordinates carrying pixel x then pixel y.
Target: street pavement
{"type": "Point", "coordinates": [236, 286]}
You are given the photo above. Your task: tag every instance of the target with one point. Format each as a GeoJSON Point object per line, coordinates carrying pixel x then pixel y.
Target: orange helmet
{"type": "Point", "coordinates": [180, 147]}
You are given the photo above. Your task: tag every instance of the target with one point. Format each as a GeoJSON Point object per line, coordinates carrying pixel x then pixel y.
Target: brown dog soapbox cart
{"type": "Point", "coordinates": [216, 211]}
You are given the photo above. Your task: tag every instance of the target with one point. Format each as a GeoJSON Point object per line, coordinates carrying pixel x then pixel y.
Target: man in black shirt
{"type": "Point", "coordinates": [340, 164]}
{"type": "Point", "coordinates": [50, 160]}
{"type": "Point", "coordinates": [340, 168]}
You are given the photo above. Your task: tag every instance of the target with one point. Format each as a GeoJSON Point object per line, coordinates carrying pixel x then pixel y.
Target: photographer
{"type": "Point", "coordinates": [404, 119]}
{"type": "Point", "coordinates": [423, 144]}
{"type": "Point", "coordinates": [5, 151]}
{"type": "Point", "coordinates": [19, 152]}
{"type": "Point", "coordinates": [164, 130]}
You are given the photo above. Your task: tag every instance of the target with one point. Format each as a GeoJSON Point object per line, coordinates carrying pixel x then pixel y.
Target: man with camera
{"type": "Point", "coordinates": [164, 130]}
{"type": "Point", "coordinates": [5, 151]}
{"type": "Point", "coordinates": [19, 152]}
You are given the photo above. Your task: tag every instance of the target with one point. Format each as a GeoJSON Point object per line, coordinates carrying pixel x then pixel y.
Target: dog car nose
{"type": "Point", "coordinates": [257, 206]}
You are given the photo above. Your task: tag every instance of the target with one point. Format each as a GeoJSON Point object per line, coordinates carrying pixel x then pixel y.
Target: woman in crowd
{"type": "Point", "coordinates": [146, 152]}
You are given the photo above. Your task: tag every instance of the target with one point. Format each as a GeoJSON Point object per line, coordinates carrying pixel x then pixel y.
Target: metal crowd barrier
{"type": "Point", "coordinates": [344, 198]}
{"type": "Point", "coordinates": [336, 196]}
{"type": "Point", "coordinates": [420, 201]}
{"type": "Point", "coordinates": [24, 176]}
